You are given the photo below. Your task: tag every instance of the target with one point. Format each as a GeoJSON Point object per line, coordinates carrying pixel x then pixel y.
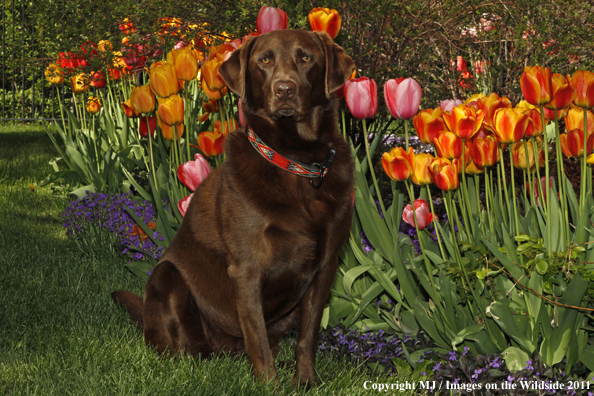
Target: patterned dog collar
{"type": "Point", "coordinates": [313, 171]}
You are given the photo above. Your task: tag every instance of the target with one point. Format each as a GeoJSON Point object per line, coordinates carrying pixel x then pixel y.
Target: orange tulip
{"type": "Point", "coordinates": [428, 123]}
{"type": "Point", "coordinates": [226, 127]}
{"type": "Point", "coordinates": [445, 174]}
{"type": "Point", "coordinates": [324, 20]}
{"type": "Point", "coordinates": [142, 99]}
{"type": "Point", "coordinates": [398, 163]}
{"type": "Point", "coordinates": [485, 151]}
{"type": "Point", "coordinates": [448, 145]}
{"type": "Point", "coordinates": [510, 124]}
{"type": "Point", "coordinates": [210, 74]}
{"type": "Point", "coordinates": [54, 74]}
{"type": "Point", "coordinates": [488, 104]}
{"type": "Point", "coordinates": [572, 143]}
{"type": "Point", "coordinates": [80, 83]}
{"type": "Point", "coordinates": [93, 105]}
{"type": "Point", "coordinates": [520, 159]}
{"type": "Point", "coordinates": [167, 130]}
{"type": "Point", "coordinates": [163, 79]}
{"type": "Point", "coordinates": [535, 127]}
{"type": "Point", "coordinates": [171, 110]}
{"type": "Point", "coordinates": [473, 100]}
{"type": "Point", "coordinates": [583, 81]}
{"type": "Point", "coordinates": [129, 109]}
{"type": "Point", "coordinates": [421, 174]}
{"type": "Point", "coordinates": [536, 85]}
{"type": "Point", "coordinates": [464, 121]}
{"type": "Point", "coordinates": [575, 120]}
{"type": "Point", "coordinates": [211, 143]}
{"type": "Point", "coordinates": [185, 61]}
{"type": "Point", "coordinates": [562, 90]}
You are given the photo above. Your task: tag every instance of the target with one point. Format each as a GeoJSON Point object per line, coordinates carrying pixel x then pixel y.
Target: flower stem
{"type": "Point", "coordinates": [377, 191]}
{"type": "Point", "coordinates": [548, 187]}
{"type": "Point", "coordinates": [436, 219]}
{"type": "Point", "coordinates": [513, 187]}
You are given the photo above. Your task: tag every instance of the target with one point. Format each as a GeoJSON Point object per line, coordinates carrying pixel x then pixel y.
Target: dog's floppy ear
{"type": "Point", "coordinates": [234, 69]}
{"type": "Point", "coordinates": [339, 66]}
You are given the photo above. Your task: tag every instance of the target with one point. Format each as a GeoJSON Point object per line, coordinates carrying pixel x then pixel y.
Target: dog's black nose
{"type": "Point", "coordinates": [284, 89]}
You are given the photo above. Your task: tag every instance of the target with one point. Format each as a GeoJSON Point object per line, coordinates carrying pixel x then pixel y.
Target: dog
{"type": "Point", "coordinates": [256, 254]}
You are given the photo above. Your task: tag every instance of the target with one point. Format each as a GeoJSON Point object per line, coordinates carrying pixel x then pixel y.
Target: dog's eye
{"type": "Point", "coordinates": [265, 60]}
{"type": "Point", "coordinates": [306, 59]}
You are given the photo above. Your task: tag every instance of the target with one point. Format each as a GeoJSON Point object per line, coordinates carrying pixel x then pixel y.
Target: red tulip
{"type": "Point", "coordinates": [403, 97]}
{"type": "Point", "coordinates": [572, 143]}
{"type": "Point", "coordinates": [361, 97]}
{"type": "Point", "coordinates": [98, 80]}
{"type": "Point", "coordinates": [146, 125]}
{"type": "Point", "coordinates": [422, 212]}
{"type": "Point", "coordinates": [270, 18]}
{"type": "Point", "coordinates": [193, 173]}
{"type": "Point", "coordinates": [184, 203]}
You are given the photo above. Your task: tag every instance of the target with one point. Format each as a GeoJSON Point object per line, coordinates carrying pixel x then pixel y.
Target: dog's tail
{"type": "Point", "coordinates": [132, 303]}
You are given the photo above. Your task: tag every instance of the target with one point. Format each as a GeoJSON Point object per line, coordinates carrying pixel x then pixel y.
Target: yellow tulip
{"type": "Point", "coordinates": [142, 99]}
{"type": "Point", "coordinates": [171, 110]}
{"type": "Point", "coordinates": [163, 79]}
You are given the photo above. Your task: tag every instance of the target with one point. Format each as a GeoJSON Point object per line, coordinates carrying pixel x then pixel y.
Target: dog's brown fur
{"type": "Point", "coordinates": [257, 251]}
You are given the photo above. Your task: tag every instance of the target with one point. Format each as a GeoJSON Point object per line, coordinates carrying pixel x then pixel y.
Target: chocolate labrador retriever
{"type": "Point", "coordinates": [257, 251]}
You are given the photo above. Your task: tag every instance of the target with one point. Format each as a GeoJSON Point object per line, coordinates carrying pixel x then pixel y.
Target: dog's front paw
{"type": "Point", "coordinates": [305, 377]}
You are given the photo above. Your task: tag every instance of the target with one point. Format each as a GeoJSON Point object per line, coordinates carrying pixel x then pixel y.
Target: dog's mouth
{"type": "Point", "coordinates": [285, 110]}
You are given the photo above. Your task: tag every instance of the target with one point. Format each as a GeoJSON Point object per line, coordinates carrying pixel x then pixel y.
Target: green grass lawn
{"type": "Point", "coordinates": [60, 333]}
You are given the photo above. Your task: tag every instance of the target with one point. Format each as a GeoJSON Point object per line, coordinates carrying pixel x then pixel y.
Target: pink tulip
{"type": "Point", "coordinates": [544, 188]}
{"type": "Point", "coordinates": [361, 97]}
{"type": "Point", "coordinates": [424, 215]}
{"type": "Point", "coordinates": [183, 204]}
{"type": "Point", "coordinates": [193, 173]}
{"type": "Point", "coordinates": [403, 97]}
{"type": "Point", "coordinates": [270, 18]}
{"type": "Point", "coordinates": [449, 104]}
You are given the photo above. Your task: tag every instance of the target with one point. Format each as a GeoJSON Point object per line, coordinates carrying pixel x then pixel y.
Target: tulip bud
{"type": "Point", "coordinates": [146, 125]}
{"type": "Point", "coordinates": [403, 97]}
{"type": "Point", "coordinates": [270, 18]}
{"type": "Point", "coordinates": [428, 124]}
{"type": "Point", "coordinates": [536, 85]}
{"type": "Point", "coordinates": [464, 120]}
{"type": "Point", "coordinates": [421, 174]}
{"type": "Point", "coordinates": [583, 81]}
{"type": "Point", "coordinates": [324, 20]}
{"type": "Point", "coordinates": [398, 163]}
{"type": "Point", "coordinates": [142, 99]}
{"type": "Point", "coordinates": [129, 109]}
{"type": "Point", "coordinates": [361, 97]}
{"type": "Point", "coordinates": [563, 92]}
{"type": "Point", "coordinates": [185, 62]}
{"type": "Point", "coordinates": [171, 110]}
{"type": "Point", "coordinates": [445, 174]}
{"type": "Point", "coordinates": [163, 79]}
{"type": "Point", "coordinates": [167, 130]}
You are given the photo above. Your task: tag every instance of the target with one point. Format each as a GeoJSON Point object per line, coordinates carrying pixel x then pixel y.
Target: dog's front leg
{"type": "Point", "coordinates": [310, 311]}
{"type": "Point", "coordinates": [247, 283]}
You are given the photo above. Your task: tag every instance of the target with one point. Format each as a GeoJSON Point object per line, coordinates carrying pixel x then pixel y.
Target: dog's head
{"type": "Point", "coordinates": [285, 73]}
